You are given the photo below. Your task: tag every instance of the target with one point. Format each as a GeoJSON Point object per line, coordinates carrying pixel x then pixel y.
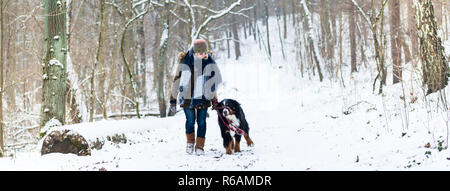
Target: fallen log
{"type": "Point", "coordinates": [65, 141]}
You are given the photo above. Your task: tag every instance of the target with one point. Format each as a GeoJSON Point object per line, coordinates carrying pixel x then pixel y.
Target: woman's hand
{"type": "Point", "coordinates": [214, 103]}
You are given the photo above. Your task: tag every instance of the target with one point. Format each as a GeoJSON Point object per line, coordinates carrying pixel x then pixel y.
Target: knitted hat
{"type": "Point", "coordinates": [200, 46]}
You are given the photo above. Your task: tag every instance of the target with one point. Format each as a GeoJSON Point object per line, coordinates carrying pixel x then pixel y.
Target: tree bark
{"type": "Point", "coordinates": [228, 35]}
{"type": "Point", "coordinates": [312, 43]}
{"type": "Point", "coordinates": [431, 52]}
{"type": "Point", "coordinates": [1, 78]}
{"type": "Point", "coordinates": [54, 85]}
{"type": "Point", "coordinates": [352, 32]}
{"type": "Point", "coordinates": [142, 62]}
{"type": "Point", "coordinates": [162, 62]}
{"type": "Point", "coordinates": [237, 45]}
{"type": "Point", "coordinates": [279, 34]}
{"type": "Point", "coordinates": [283, 7]}
{"type": "Point", "coordinates": [394, 9]}
{"type": "Point", "coordinates": [412, 28]}
{"type": "Point", "coordinates": [266, 19]}
{"type": "Point", "coordinates": [98, 59]}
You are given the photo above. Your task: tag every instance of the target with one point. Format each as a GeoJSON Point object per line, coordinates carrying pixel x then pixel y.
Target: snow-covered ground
{"type": "Point", "coordinates": [296, 124]}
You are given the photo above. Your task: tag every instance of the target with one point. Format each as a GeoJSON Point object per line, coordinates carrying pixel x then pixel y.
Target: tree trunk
{"type": "Point", "coordinates": [132, 81]}
{"type": "Point", "coordinates": [312, 42]}
{"type": "Point", "coordinates": [327, 37]}
{"type": "Point", "coordinates": [266, 19]}
{"type": "Point", "coordinates": [10, 66]}
{"type": "Point", "coordinates": [376, 21]}
{"type": "Point", "coordinates": [228, 35]}
{"type": "Point", "coordinates": [279, 35]}
{"type": "Point", "coordinates": [104, 26]}
{"type": "Point", "coordinates": [352, 32]}
{"type": "Point", "coordinates": [294, 12]}
{"type": "Point", "coordinates": [340, 39]}
{"type": "Point", "coordinates": [446, 15]}
{"type": "Point", "coordinates": [162, 62]}
{"type": "Point", "coordinates": [255, 23]}
{"type": "Point", "coordinates": [1, 78]}
{"type": "Point", "coordinates": [394, 9]}
{"type": "Point", "coordinates": [405, 47]}
{"type": "Point", "coordinates": [74, 112]}
{"type": "Point", "coordinates": [54, 85]}
{"type": "Point", "coordinates": [283, 7]}
{"type": "Point", "coordinates": [237, 46]}
{"type": "Point", "coordinates": [431, 52]}
{"type": "Point", "coordinates": [243, 21]}
{"type": "Point", "coordinates": [412, 28]}
{"type": "Point", "coordinates": [380, 45]}
{"type": "Point", "coordinates": [98, 59]}
{"type": "Point", "coordinates": [141, 62]}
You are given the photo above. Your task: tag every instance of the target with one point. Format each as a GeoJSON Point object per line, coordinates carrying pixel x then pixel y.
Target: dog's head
{"type": "Point", "coordinates": [229, 107]}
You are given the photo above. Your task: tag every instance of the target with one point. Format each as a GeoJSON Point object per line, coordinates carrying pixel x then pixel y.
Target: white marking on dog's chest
{"type": "Point", "coordinates": [235, 123]}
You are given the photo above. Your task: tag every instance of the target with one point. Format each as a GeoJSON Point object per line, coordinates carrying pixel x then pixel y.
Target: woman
{"type": "Point", "coordinates": [195, 94]}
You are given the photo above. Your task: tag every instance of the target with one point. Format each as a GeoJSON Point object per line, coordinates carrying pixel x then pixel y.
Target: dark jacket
{"type": "Point", "coordinates": [188, 59]}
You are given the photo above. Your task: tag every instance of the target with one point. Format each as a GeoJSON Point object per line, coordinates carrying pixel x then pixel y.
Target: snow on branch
{"type": "Point", "coordinates": [178, 17]}
{"type": "Point", "coordinates": [196, 33]}
{"type": "Point", "coordinates": [137, 3]}
{"type": "Point", "coordinates": [114, 4]}
{"type": "Point", "coordinates": [366, 18]}
{"type": "Point", "coordinates": [191, 11]}
{"type": "Point", "coordinates": [362, 12]}
{"type": "Point", "coordinates": [231, 12]}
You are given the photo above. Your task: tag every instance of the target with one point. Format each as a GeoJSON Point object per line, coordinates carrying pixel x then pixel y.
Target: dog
{"type": "Point", "coordinates": [232, 123]}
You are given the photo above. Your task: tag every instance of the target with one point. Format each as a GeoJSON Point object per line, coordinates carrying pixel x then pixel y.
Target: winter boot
{"type": "Point", "coordinates": [190, 143]}
{"type": "Point", "coordinates": [199, 144]}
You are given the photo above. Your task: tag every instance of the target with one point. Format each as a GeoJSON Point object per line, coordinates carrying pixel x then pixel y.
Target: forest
{"type": "Point", "coordinates": [66, 62]}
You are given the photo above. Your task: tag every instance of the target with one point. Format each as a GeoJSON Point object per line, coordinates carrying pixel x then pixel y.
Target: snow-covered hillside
{"type": "Point", "coordinates": [296, 124]}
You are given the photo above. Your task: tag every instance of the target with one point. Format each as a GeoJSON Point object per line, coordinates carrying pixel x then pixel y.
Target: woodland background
{"type": "Point", "coordinates": [102, 57]}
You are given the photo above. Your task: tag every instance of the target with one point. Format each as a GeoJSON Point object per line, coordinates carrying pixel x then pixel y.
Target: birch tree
{"type": "Point", "coordinates": [312, 39]}
{"type": "Point", "coordinates": [431, 52]}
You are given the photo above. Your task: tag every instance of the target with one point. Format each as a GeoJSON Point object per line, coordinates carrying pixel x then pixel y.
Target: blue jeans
{"type": "Point", "coordinates": [191, 115]}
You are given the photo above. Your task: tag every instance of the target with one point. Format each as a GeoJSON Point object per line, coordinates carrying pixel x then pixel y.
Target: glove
{"type": "Point", "coordinates": [173, 107]}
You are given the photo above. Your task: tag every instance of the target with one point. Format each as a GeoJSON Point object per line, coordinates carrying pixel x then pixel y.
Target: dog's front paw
{"type": "Point", "coordinates": [229, 148]}
{"type": "Point", "coordinates": [237, 148]}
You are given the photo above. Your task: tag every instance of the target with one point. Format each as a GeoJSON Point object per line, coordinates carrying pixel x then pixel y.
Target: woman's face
{"type": "Point", "coordinates": [203, 55]}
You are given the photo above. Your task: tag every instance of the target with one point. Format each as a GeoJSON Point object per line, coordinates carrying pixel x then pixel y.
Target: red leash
{"type": "Point", "coordinates": [233, 128]}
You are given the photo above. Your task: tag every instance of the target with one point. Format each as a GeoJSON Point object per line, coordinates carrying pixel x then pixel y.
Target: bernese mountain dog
{"type": "Point", "coordinates": [232, 123]}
